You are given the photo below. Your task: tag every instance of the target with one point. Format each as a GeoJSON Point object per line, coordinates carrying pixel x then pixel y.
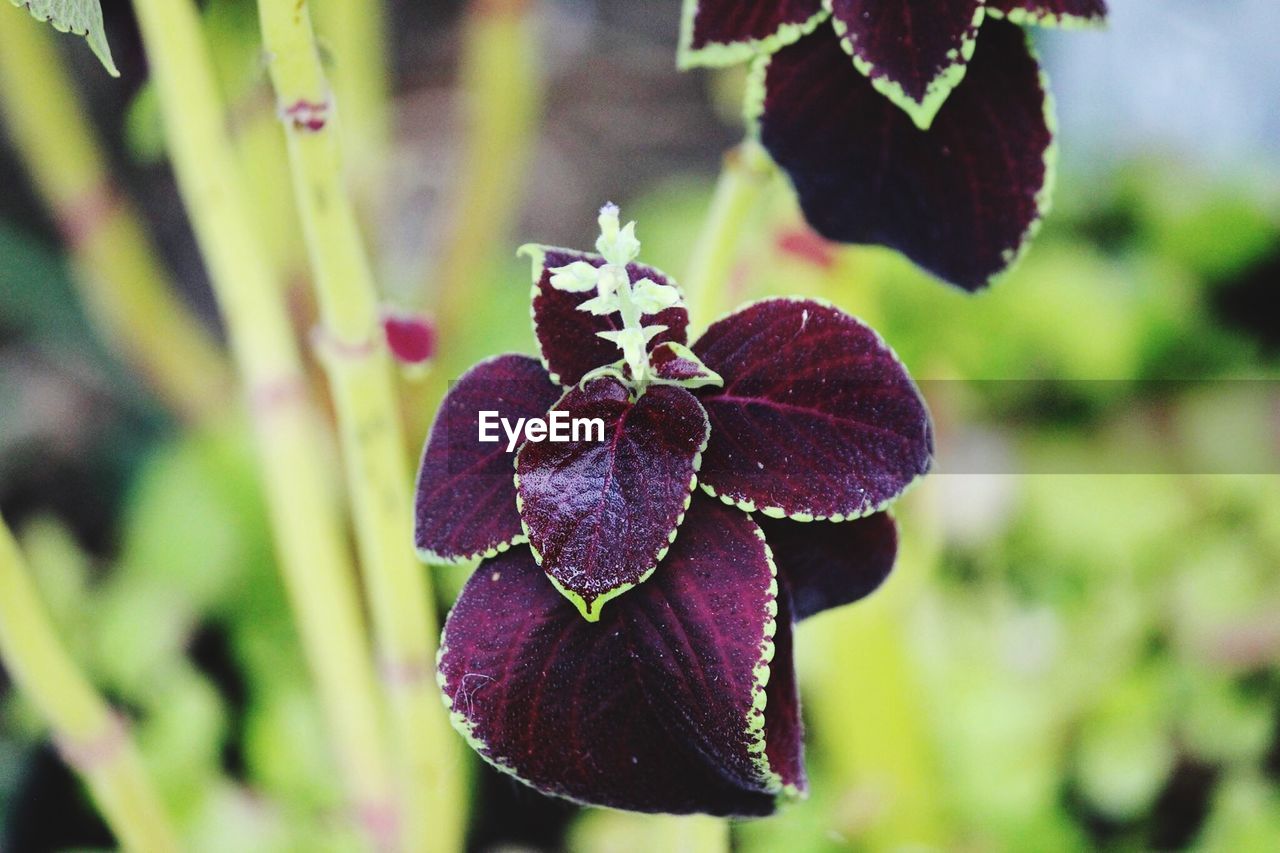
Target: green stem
{"type": "Point", "coordinates": [742, 183]}
{"type": "Point", "coordinates": [92, 738]}
{"type": "Point", "coordinates": [363, 387]}
{"type": "Point", "coordinates": [304, 513]}
{"type": "Point", "coordinates": [687, 834]}
{"type": "Point", "coordinates": [122, 284]}
{"type": "Point", "coordinates": [355, 35]}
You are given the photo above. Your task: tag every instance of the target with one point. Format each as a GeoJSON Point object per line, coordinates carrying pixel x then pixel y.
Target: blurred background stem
{"type": "Point", "coordinates": [127, 293]}
{"type": "Point", "coordinates": [354, 353]}
{"type": "Point", "coordinates": [305, 516]}
{"type": "Point", "coordinates": [90, 736]}
{"type": "Point", "coordinates": [501, 98]}
{"type": "Point", "coordinates": [688, 834]}
{"type": "Point", "coordinates": [353, 39]}
{"type": "Point", "coordinates": [743, 179]}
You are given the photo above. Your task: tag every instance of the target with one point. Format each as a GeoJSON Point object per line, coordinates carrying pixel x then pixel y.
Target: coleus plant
{"type": "Point", "coordinates": [921, 125]}
{"type": "Point", "coordinates": [627, 639]}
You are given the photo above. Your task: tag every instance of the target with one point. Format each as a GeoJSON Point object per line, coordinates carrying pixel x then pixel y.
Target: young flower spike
{"type": "Point", "coordinates": [681, 690]}
{"type": "Point", "coordinates": [922, 125]}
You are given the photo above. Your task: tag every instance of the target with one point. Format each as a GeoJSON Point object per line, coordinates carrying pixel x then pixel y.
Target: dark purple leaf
{"type": "Point", "coordinates": [706, 638]}
{"type": "Point", "coordinates": [913, 51]}
{"type": "Point", "coordinates": [816, 418]}
{"type": "Point", "coordinates": [1049, 13]}
{"type": "Point", "coordinates": [672, 362]}
{"type": "Point", "coordinates": [827, 565]}
{"type": "Point", "coordinates": [960, 199]}
{"type": "Point", "coordinates": [600, 515]}
{"type": "Point", "coordinates": [784, 728]}
{"type": "Point", "coordinates": [654, 708]}
{"type": "Point", "coordinates": [466, 497]}
{"type": "Point", "coordinates": [722, 32]}
{"type": "Point", "coordinates": [557, 702]}
{"type": "Point", "coordinates": [567, 337]}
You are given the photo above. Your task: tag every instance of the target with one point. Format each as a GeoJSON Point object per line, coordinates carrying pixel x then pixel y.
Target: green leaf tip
{"type": "Point", "coordinates": [82, 17]}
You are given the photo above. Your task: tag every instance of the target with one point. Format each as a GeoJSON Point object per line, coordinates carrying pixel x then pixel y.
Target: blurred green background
{"type": "Point", "coordinates": [1080, 646]}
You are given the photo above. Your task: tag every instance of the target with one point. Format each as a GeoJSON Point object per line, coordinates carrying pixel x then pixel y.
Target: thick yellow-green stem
{"type": "Point", "coordinates": [354, 35]}
{"type": "Point", "coordinates": [360, 373]}
{"type": "Point", "coordinates": [743, 180]}
{"type": "Point", "coordinates": [305, 516]}
{"type": "Point", "coordinates": [92, 738]}
{"type": "Point", "coordinates": [121, 282]}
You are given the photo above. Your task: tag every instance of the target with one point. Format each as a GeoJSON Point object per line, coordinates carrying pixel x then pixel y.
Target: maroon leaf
{"type": "Point", "coordinates": [722, 32]}
{"type": "Point", "coordinates": [960, 199]}
{"type": "Point", "coordinates": [567, 337]}
{"type": "Point", "coordinates": [913, 51]}
{"type": "Point", "coordinates": [704, 633]}
{"type": "Point", "coordinates": [1049, 13]}
{"type": "Point", "coordinates": [675, 363]}
{"type": "Point", "coordinates": [657, 707]}
{"type": "Point", "coordinates": [827, 565]}
{"type": "Point", "coordinates": [600, 515]}
{"type": "Point", "coordinates": [466, 497]}
{"type": "Point", "coordinates": [784, 728]}
{"type": "Point", "coordinates": [816, 418]}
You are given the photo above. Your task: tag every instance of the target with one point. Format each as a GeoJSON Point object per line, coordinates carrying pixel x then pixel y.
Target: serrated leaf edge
{"type": "Point", "coordinates": [721, 54]}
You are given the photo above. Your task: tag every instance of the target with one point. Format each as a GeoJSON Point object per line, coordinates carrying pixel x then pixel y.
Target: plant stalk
{"type": "Point", "coordinates": [743, 180]}
{"type": "Point", "coordinates": [687, 834]}
{"type": "Point", "coordinates": [122, 284]}
{"type": "Point", "coordinates": [92, 738]}
{"type": "Point", "coordinates": [304, 513]}
{"type": "Point", "coordinates": [362, 382]}
{"type": "Point", "coordinates": [355, 35]}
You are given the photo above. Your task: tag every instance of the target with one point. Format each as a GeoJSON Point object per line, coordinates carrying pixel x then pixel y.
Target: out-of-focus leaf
{"type": "Point", "coordinates": [82, 17]}
{"type": "Point", "coordinates": [1125, 753]}
{"type": "Point", "coordinates": [143, 131]}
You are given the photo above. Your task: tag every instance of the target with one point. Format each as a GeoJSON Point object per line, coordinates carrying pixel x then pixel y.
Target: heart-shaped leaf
{"type": "Point", "coordinates": [466, 497]}
{"type": "Point", "coordinates": [709, 641]}
{"type": "Point", "coordinates": [556, 701]}
{"type": "Point", "coordinates": [660, 706]}
{"type": "Point", "coordinates": [816, 418]}
{"type": "Point", "coordinates": [82, 17]}
{"type": "Point", "coordinates": [567, 337]}
{"type": "Point", "coordinates": [723, 32]}
{"type": "Point", "coordinates": [827, 565]}
{"type": "Point", "coordinates": [1050, 13]}
{"type": "Point", "coordinates": [960, 199]}
{"type": "Point", "coordinates": [913, 51]}
{"type": "Point", "coordinates": [600, 515]}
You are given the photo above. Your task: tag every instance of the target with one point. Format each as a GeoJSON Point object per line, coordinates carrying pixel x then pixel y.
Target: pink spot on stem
{"type": "Point", "coordinates": [80, 219]}
{"type": "Point", "coordinates": [270, 396]}
{"type": "Point", "coordinates": [406, 673]}
{"type": "Point", "coordinates": [331, 346]}
{"type": "Point", "coordinates": [311, 116]}
{"type": "Point", "coordinates": [88, 756]}
{"type": "Point", "coordinates": [806, 245]}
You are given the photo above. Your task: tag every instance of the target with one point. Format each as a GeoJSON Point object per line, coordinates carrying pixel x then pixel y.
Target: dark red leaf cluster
{"type": "Point", "coordinates": [921, 125]}
{"type": "Point", "coordinates": [691, 535]}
